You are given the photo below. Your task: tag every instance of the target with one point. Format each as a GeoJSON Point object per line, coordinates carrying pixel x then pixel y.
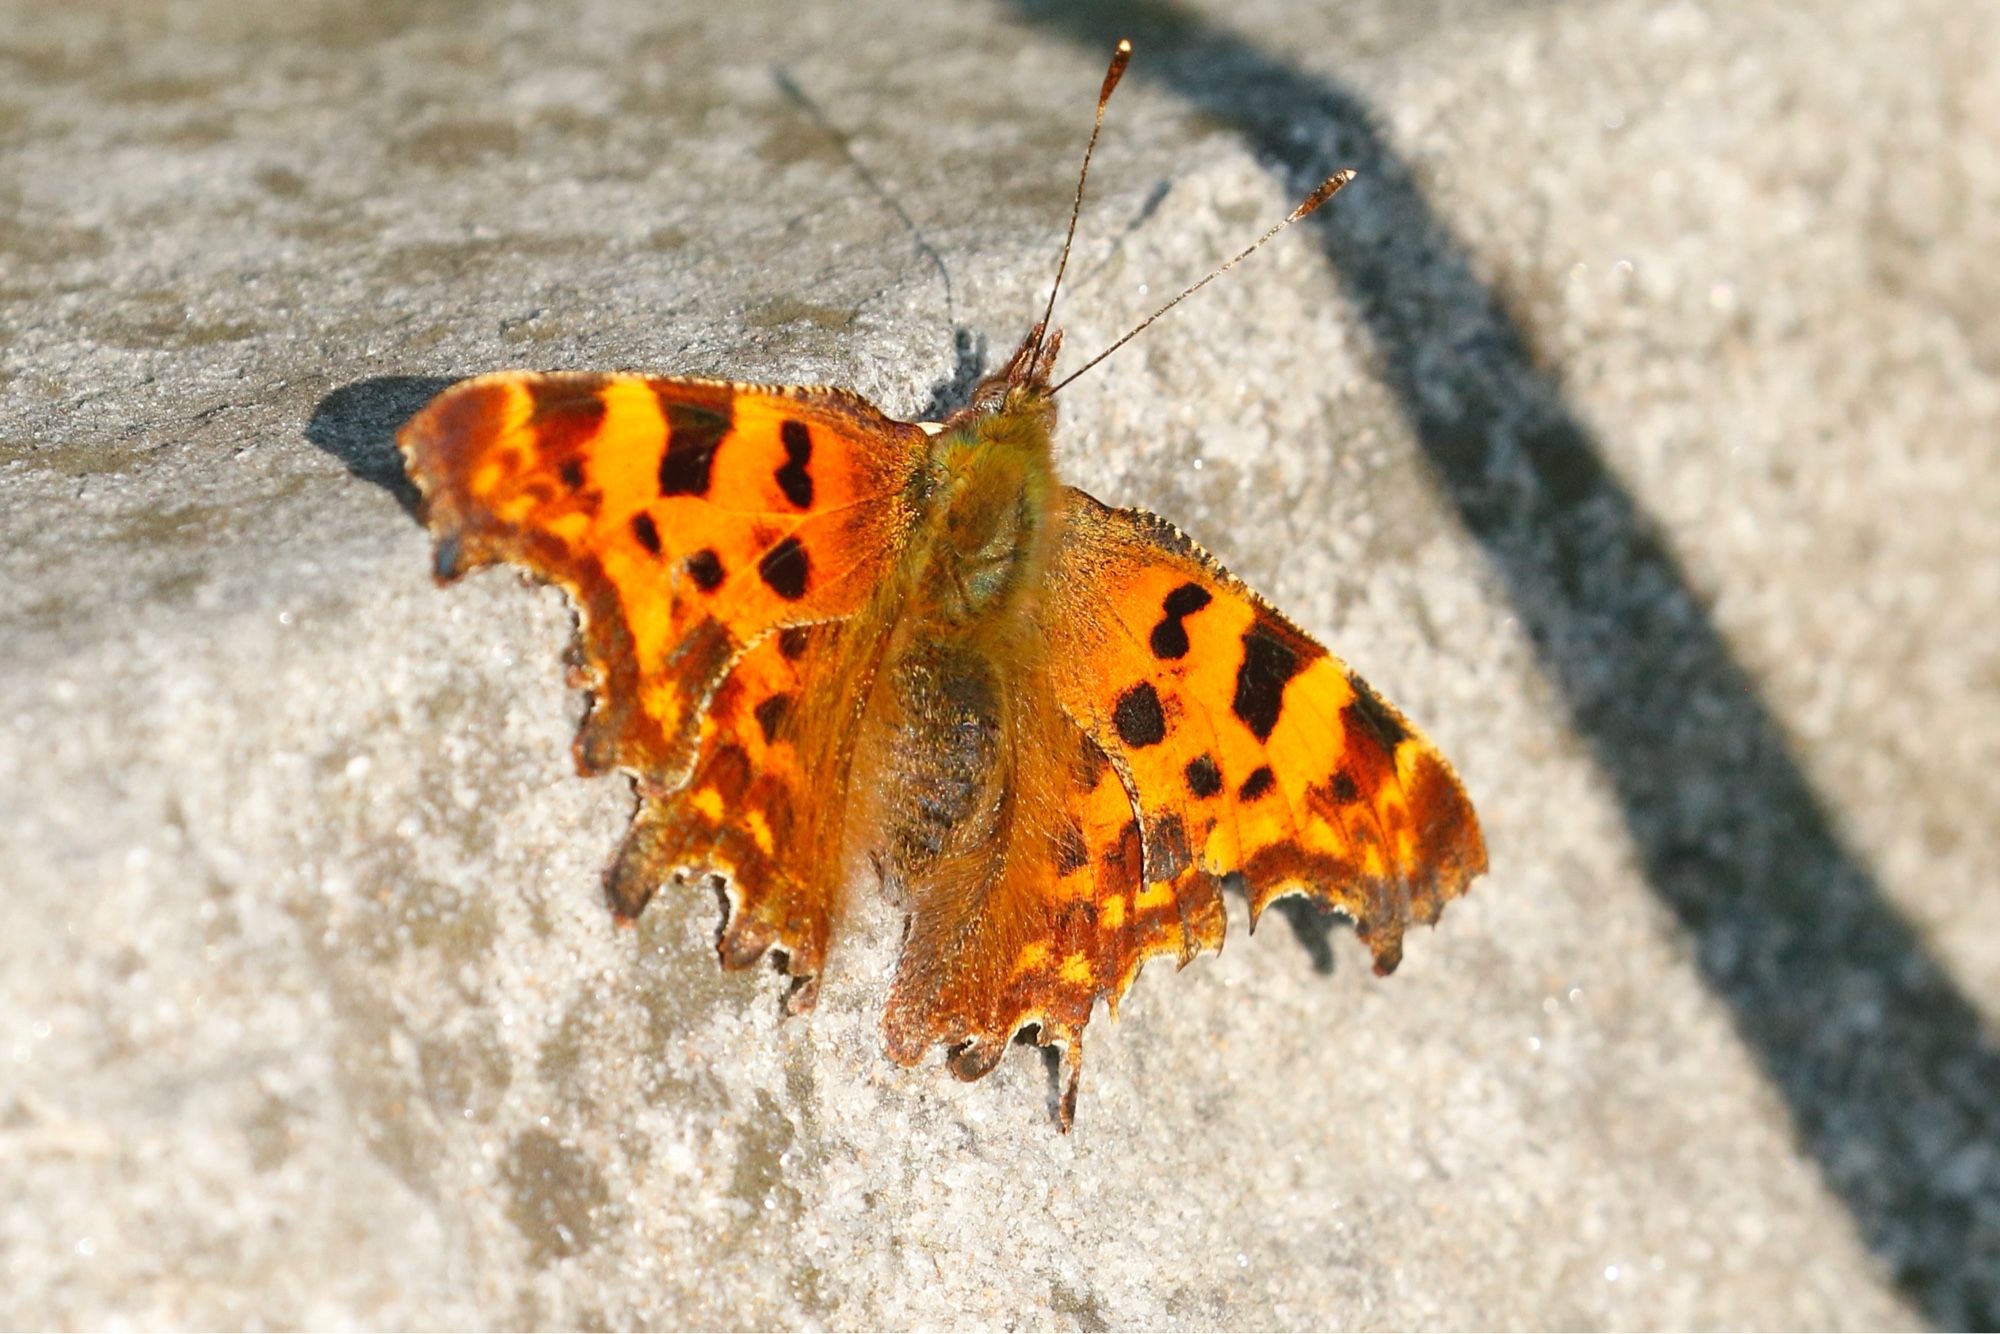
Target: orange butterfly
{"type": "Point", "coordinates": [834, 648]}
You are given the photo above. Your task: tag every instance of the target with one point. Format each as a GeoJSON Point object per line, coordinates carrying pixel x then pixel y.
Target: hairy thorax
{"type": "Point", "coordinates": [985, 498]}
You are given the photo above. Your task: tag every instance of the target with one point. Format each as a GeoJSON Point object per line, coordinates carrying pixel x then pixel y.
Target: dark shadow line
{"type": "Point", "coordinates": [954, 389]}
{"type": "Point", "coordinates": [1891, 1077]}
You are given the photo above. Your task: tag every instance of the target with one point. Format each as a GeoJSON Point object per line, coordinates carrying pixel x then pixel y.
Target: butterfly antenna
{"type": "Point", "coordinates": [1328, 188]}
{"type": "Point", "coordinates": [1119, 60]}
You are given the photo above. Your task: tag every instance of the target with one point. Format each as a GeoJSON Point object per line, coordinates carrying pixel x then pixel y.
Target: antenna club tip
{"type": "Point", "coordinates": [1327, 189]}
{"type": "Point", "coordinates": [1120, 58]}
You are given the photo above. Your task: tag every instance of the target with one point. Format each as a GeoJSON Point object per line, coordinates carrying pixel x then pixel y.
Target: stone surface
{"type": "Point", "coordinates": [1631, 425]}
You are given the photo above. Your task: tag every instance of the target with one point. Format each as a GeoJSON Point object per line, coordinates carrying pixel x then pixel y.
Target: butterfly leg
{"type": "Point", "coordinates": [1071, 1072]}
{"type": "Point", "coordinates": [644, 862]}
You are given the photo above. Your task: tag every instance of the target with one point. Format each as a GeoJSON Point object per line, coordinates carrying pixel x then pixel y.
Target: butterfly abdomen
{"type": "Point", "coordinates": [940, 747]}
{"type": "Point", "coordinates": [967, 764]}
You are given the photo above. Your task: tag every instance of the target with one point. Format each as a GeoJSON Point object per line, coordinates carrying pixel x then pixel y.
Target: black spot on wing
{"type": "Point", "coordinates": [646, 531]}
{"type": "Point", "coordinates": [1204, 779]}
{"type": "Point", "coordinates": [1373, 714]}
{"type": "Point", "coordinates": [564, 414]}
{"type": "Point", "coordinates": [793, 641]}
{"type": "Point", "coordinates": [1268, 663]}
{"type": "Point", "coordinates": [1138, 718]}
{"type": "Point", "coordinates": [1344, 789]}
{"type": "Point", "coordinates": [693, 434]}
{"type": "Point", "coordinates": [1260, 781]}
{"type": "Point", "coordinates": [571, 472]}
{"type": "Point", "coordinates": [770, 713]}
{"type": "Point", "coordinates": [1186, 600]}
{"type": "Point", "coordinates": [787, 570]}
{"type": "Point", "coordinates": [705, 568]}
{"type": "Point", "coordinates": [1169, 638]}
{"type": "Point", "coordinates": [794, 476]}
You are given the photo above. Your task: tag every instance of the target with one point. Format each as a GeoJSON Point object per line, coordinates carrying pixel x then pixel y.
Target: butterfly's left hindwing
{"type": "Point", "coordinates": [1246, 746]}
{"type": "Point", "coordinates": [748, 812]}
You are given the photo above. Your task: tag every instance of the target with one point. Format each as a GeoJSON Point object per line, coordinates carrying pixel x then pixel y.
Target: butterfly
{"type": "Point", "coordinates": [840, 653]}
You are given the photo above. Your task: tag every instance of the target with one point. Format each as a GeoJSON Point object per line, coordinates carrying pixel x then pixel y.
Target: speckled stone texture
{"type": "Point", "coordinates": [1630, 423]}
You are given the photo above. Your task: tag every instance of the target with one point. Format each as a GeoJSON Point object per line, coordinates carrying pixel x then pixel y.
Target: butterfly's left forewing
{"type": "Point", "coordinates": [688, 518]}
{"type": "Point", "coordinates": [1246, 747]}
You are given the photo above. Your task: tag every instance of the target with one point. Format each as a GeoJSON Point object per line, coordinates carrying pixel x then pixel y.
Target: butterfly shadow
{"type": "Point", "coordinates": [954, 391]}
{"type": "Point", "coordinates": [1312, 927]}
{"type": "Point", "coordinates": [357, 422]}
{"type": "Point", "coordinates": [1886, 1067]}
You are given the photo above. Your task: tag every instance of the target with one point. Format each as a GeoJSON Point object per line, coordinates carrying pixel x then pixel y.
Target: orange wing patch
{"type": "Point", "coordinates": [687, 518]}
{"type": "Point", "coordinates": [1247, 746]}
{"type": "Point", "coordinates": [746, 814]}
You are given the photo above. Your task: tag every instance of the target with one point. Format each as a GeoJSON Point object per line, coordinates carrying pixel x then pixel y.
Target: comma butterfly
{"type": "Point", "coordinates": [837, 650]}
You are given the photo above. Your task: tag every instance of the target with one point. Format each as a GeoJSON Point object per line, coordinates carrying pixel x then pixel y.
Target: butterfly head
{"type": "Point", "coordinates": [1019, 389]}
